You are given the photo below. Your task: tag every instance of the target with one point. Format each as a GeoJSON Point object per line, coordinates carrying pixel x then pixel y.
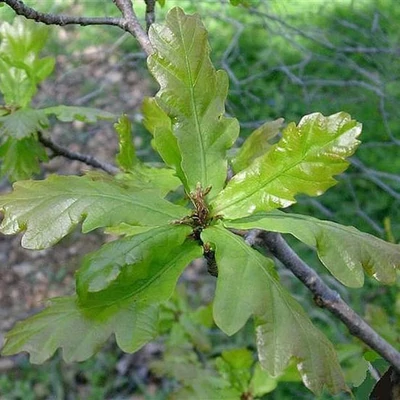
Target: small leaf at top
{"type": "Point", "coordinates": [84, 114]}
{"type": "Point", "coordinates": [256, 144]}
{"type": "Point", "coordinates": [126, 256]}
{"type": "Point", "coordinates": [303, 161]}
{"type": "Point", "coordinates": [283, 329]}
{"type": "Point", "coordinates": [21, 158]}
{"type": "Point", "coordinates": [192, 93]}
{"type": "Point", "coordinates": [126, 158]}
{"type": "Point", "coordinates": [344, 250]}
{"type": "Point", "coordinates": [23, 123]}
{"type": "Point", "coordinates": [48, 210]}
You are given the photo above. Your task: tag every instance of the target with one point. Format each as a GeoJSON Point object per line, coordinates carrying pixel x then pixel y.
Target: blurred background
{"type": "Point", "coordinates": [284, 59]}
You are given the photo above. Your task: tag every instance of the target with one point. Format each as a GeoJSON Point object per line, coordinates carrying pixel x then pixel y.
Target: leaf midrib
{"type": "Point", "coordinates": [199, 136]}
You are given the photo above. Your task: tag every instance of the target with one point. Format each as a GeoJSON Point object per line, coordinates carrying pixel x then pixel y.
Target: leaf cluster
{"type": "Point", "coordinates": [121, 287]}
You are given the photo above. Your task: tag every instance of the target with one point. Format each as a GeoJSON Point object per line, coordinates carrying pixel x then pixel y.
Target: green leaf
{"type": "Point", "coordinates": [158, 123]}
{"type": "Point", "coordinates": [21, 158]}
{"type": "Point", "coordinates": [344, 250]}
{"type": "Point", "coordinates": [161, 180]}
{"type": "Point", "coordinates": [84, 114]}
{"type": "Point", "coordinates": [126, 158]}
{"type": "Point", "coordinates": [235, 367]}
{"type": "Point", "coordinates": [256, 145]}
{"type": "Point", "coordinates": [193, 94]}
{"type": "Point", "coordinates": [81, 329]}
{"type": "Point", "coordinates": [283, 329]}
{"type": "Point", "coordinates": [303, 161]}
{"type": "Point", "coordinates": [48, 210]}
{"type": "Point", "coordinates": [161, 2]}
{"type": "Point", "coordinates": [261, 382]}
{"type": "Point", "coordinates": [23, 123]}
{"type": "Point", "coordinates": [125, 256]}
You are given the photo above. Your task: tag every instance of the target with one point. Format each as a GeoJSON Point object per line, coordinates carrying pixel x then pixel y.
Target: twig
{"type": "Point", "coordinates": [52, 19]}
{"type": "Point", "coordinates": [128, 22]}
{"type": "Point", "coordinates": [150, 16]}
{"type": "Point", "coordinates": [327, 298]}
{"type": "Point", "coordinates": [72, 155]}
{"type": "Point", "coordinates": [132, 25]}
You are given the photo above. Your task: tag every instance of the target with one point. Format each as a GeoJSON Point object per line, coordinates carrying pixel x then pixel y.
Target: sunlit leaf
{"type": "Point", "coordinates": [21, 158]}
{"type": "Point", "coordinates": [48, 210]}
{"type": "Point", "coordinates": [256, 144]}
{"type": "Point", "coordinates": [303, 161]}
{"type": "Point", "coordinates": [283, 329]}
{"type": "Point", "coordinates": [23, 123]}
{"type": "Point", "coordinates": [126, 158]}
{"type": "Point", "coordinates": [345, 251]}
{"type": "Point", "coordinates": [192, 93]}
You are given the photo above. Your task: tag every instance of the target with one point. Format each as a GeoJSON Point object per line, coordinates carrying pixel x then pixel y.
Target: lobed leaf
{"type": "Point", "coordinates": [303, 161]}
{"type": "Point", "coordinates": [128, 256]}
{"type": "Point", "coordinates": [84, 114]}
{"type": "Point", "coordinates": [21, 158]}
{"type": "Point", "coordinates": [80, 329]}
{"type": "Point", "coordinates": [23, 123]}
{"type": "Point", "coordinates": [48, 210]}
{"type": "Point", "coordinates": [344, 250]}
{"type": "Point", "coordinates": [256, 145]}
{"type": "Point", "coordinates": [126, 158]}
{"type": "Point", "coordinates": [192, 94]}
{"type": "Point", "coordinates": [159, 124]}
{"type": "Point", "coordinates": [283, 329]}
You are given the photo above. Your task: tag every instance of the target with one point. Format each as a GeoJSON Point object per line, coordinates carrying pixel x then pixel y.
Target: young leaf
{"type": "Point", "coordinates": [283, 329]}
{"type": "Point", "coordinates": [23, 123]}
{"type": "Point", "coordinates": [344, 250]}
{"type": "Point", "coordinates": [21, 158]}
{"type": "Point", "coordinates": [303, 161]}
{"type": "Point", "coordinates": [128, 256]}
{"type": "Point", "coordinates": [256, 144]}
{"type": "Point", "coordinates": [84, 114]}
{"type": "Point", "coordinates": [48, 210]}
{"type": "Point", "coordinates": [81, 329]}
{"type": "Point", "coordinates": [126, 158]}
{"type": "Point", "coordinates": [192, 93]}
{"type": "Point", "coordinates": [159, 124]}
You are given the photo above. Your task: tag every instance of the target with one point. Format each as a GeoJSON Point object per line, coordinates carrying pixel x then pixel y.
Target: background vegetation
{"type": "Point", "coordinates": [284, 59]}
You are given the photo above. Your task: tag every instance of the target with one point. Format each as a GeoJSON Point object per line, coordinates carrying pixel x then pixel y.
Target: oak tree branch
{"type": "Point", "coordinates": [72, 155]}
{"type": "Point", "coordinates": [327, 298]}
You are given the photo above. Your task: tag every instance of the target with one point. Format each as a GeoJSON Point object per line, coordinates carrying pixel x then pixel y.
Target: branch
{"type": "Point", "coordinates": [327, 298]}
{"type": "Point", "coordinates": [52, 19]}
{"type": "Point", "coordinates": [128, 22]}
{"type": "Point", "coordinates": [132, 25]}
{"type": "Point", "coordinates": [72, 155]}
{"type": "Point", "coordinates": [150, 16]}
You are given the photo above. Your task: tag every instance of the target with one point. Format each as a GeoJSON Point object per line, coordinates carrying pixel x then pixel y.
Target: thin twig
{"type": "Point", "coordinates": [72, 155]}
{"type": "Point", "coordinates": [150, 15]}
{"type": "Point", "coordinates": [128, 23]}
{"type": "Point", "coordinates": [327, 298]}
{"type": "Point", "coordinates": [52, 19]}
{"type": "Point", "coordinates": [132, 25]}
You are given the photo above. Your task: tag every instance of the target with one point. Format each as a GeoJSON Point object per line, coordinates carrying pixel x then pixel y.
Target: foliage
{"type": "Point", "coordinates": [121, 286]}
{"type": "Point", "coordinates": [21, 71]}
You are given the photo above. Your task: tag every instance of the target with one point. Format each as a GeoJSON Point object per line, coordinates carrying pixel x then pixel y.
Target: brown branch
{"type": "Point", "coordinates": [72, 155]}
{"type": "Point", "coordinates": [327, 298]}
{"type": "Point", "coordinates": [52, 19]}
{"type": "Point", "coordinates": [128, 22]}
{"type": "Point", "coordinates": [132, 25]}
